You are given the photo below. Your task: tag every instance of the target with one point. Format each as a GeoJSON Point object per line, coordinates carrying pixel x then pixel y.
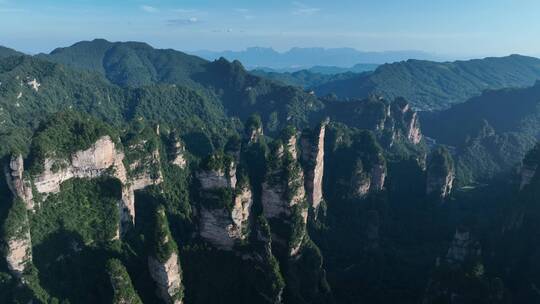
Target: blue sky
{"type": "Point", "coordinates": [457, 28]}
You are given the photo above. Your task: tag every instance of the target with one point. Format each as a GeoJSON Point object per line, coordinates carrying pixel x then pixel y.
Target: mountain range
{"type": "Point", "coordinates": [306, 58]}
{"type": "Point", "coordinates": [140, 175]}
{"type": "Point", "coordinates": [437, 85]}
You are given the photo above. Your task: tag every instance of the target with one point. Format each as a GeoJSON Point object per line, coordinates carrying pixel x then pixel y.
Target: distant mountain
{"type": "Point", "coordinates": [326, 70]}
{"type": "Point", "coordinates": [134, 64]}
{"type": "Point", "coordinates": [304, 78]}
{"type": "Point", "coordinates": [490, 133]}
{"type": "Point", "coordinates": [304, 58]}
{"type": "Point", "coordinates": [434, 86]}
{"type": "Point", "coordinates": [6, 52]}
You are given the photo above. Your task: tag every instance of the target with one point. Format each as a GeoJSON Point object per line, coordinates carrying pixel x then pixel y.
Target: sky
{"type": "Point", "coordinates": [461, 28]}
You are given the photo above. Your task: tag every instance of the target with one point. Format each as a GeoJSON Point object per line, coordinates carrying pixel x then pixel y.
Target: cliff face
{"type": "Point", "coordinates": [18, 186]}
{"type": "Point", "coordinates": [313, 156]}
{"type": "Point", "coordinates": [283, 194]}
{"type": "Point", "coordinates": [179, 158]}
{"type": "Point", "coordinates": [391, 120]}
{"type": "Point", "coordinates": [367, 180]}
{"type": "Point", "coordinates": [406, 120]}
{"type": "Point", "coordinates": [19, 243]}
{"type": "Point", "coordinates": [102, 158]}
{"type": "Point", "coordinates": [226, 206]}
{"type": "Point", "coordinates": [163, 263]}
{"type": "Point", "coordinates": [440, 174]}
{"type": "Point", "coordinates": [167, 277]}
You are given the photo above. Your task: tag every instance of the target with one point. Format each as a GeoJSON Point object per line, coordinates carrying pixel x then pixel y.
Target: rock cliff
{"type": "Point", "coordinates": [440, 173]}
{"type": "Point", "coordinates": [167, 277]}
{"type": "Point", "coordinates": [102, 158]}
{"type": "Point", "coordinates": [17, 238]}
{"type": "Point", "coordinates": [313, 158]}
{"type": "Point", "coordinates": [163, 262]}
{"type": "Point", "coordinates": [225, 203]}
{"type": "Point", "coordinates": [283, 194]}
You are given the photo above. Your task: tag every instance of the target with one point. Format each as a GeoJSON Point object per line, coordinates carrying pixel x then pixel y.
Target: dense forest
{"type": "Point", "coordinates": [140, 175]}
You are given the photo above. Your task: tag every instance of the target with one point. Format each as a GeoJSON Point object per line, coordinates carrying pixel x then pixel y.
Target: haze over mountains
{"type": "Point", "coordinates": [304, 58]}
{"type": "Point", "coordinates": [142, 175]}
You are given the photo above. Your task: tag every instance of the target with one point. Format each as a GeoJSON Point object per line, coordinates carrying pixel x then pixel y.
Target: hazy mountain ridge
{"type": "Point", "coordinates": [435, 86]}
{"type": "Point", "coordinates": [491, 132]}
{"type": "Point", "coordinates": [305, 58]}
{"type": "Point", "coordinates": [264, 192]}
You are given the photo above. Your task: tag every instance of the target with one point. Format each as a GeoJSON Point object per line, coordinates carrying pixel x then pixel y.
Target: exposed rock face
{"type": "Point", "coordinates": [363, 182]}
{"type": "Point", "coordinates": [18, 186]}
{"type": "Point", "coordinates": [167, 277]}
{"type": "Point", "coordinates": [313, 155]}
{"type": "Point", "coordinates": [19, 253]}
{"type": "Point", "coordinates": [440, 174]}
{"type": "Point", "coordinates": [463, 246]}
{"type": "Point", "coordinates": [223, 227]}
{"type": "Point", "coordinates": [378, 176]}
{"type": "Point", "coordinates": [144, 177]}
{"type": "Point", "coordinates": [283, 193]}
{"type": "Point", "coordinates": [179, 155]}
{"type": "Point", "coordinates": [407, 120]}
{"type": "Point", "coordinates": [102, 158]}
{"type": "Point", "coordinates": [240, 213]}
{"type": "Point", "coordinates": [218, 178]}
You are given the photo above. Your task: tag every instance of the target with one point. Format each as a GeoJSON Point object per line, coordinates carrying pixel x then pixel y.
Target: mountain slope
{"type": "Point", "coordinates": [6, 52]}
{"type": "Point", "coordinates": [491, 132]}
{"type": "Point", "coordinates": [132, 64]}
{"type": "Point", "coordinates": [129, 63]}
{"type": "Point", "coordinates": [305, 58]}
{"type": "Point", "coordinates": [304, 78]}
{"type": "Point", "coordinates": [434, 86]}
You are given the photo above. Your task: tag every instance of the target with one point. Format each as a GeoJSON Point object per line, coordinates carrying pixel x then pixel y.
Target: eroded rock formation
{"type": "Point", "coordinates": [102, 158]}
{"type": "Point", "coordinates": [226, 204]}
{"type": "Point", "coordinates": [167, 277]}
{"type": "Point", "coordinates": [440, 173]}
{"type": "Point", "coordinates": [283, 193]}
{"type": "Point", "coordinates": [313, 156]}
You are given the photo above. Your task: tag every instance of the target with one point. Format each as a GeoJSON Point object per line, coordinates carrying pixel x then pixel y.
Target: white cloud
{"type": "Point", "coordinates": [183, 21]}
{"type": "Point", "coordinates": [185, 11]}
{"type": "Point", "coordinates": [241, 10]}
{"type": "Point", "coordinates": [303, 9]}
{"type": "Point", "coordinates": [149, 9]}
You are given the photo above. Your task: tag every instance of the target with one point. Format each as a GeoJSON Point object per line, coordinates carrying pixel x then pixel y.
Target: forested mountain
{"type": "Point", "coordinates": [137, 64]}
{"type": "Point", "coordinates": [304, 78]}
{"type": "Point", "coordinates": [137, 175]}
{"type": "Point", "coordinates": [305, 58]}
{"type": "Point", "coordinates": [490, 133]}
{"type": "Point", "coordinates": [325, 70]}
{"type": "Point", "coordinates": [6, 52]}
{"type": "Point", "coordinates": [434, 85]}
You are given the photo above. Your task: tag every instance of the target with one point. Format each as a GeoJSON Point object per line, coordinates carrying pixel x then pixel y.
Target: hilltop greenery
{"type": "Point", "coordinates": [490, 133]}
{"type": "Point", "coordinates": [434, 86]}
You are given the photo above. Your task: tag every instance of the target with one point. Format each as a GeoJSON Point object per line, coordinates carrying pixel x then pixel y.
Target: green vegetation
{"type": "Point", "coordinates": [490, 134]}
{"type": "Point", "coordinates": [435, 86]}
{"type": "Point", "coordinates": [163, 244]}
{"type": "Point", "coordinates": [123, 291]}
{"type": "Point", "coordinates": [88, 208]}
{"type": "Point", "coordinates": [64, 134]}
{"type": "Point", "coordinates": [7, 52]}
{"type": "Point", "coordinates": [305, 78]}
